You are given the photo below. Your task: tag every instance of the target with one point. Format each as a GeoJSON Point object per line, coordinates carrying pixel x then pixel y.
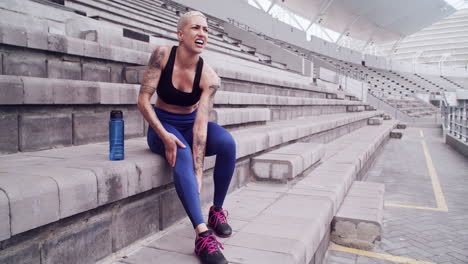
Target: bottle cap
{"type": "Point", "coordinates": [116, 114]}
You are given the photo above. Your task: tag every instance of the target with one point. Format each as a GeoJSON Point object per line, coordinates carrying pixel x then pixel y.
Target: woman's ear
{"type": "Point", "coordinates": [180, 35]}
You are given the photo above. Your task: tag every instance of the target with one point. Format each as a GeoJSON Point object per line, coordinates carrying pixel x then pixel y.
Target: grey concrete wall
{"type": "Point", "coordinates": [9, 130]}
{"type": "Point", "coordinates": [242, 12]}
{"type": "Point", "coordinates": [90, 236]}
{"type": "Point", "coordinates": [278, 54]}
{"type": "Point", "coordinates": [43, 64]}
{"type": "Point", "coordinates": [259, 88]}
{"type": "Point", "coordinates": [392, 111]}
{"type": "Point", "coordinates": [355, 87]}
{"type": "Point", "coordinates": [328, 75]}
{"type": "Point", "coordinates": [288, 113]}
{"type": "Point", "coordinates": [307, 70]}
{"type": "Point", "coordinates": [32, 128]}
{"type": "Point", "coordinates": [25, 64]}
{"type": "Point", "coordinates": [320, 253]}
{"type": "Point", "coordinates": [457, 144]}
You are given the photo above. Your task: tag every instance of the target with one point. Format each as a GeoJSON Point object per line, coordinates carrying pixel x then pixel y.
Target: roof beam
{"type": "Point", "coordinates": [273, 3]}
{"type": "Point", "coordinates": [371, 37]}
{"type": "Point", "coordinates": [395, 45]}
{"type": "Point", "coordinates": [291, 15]}
{"type": "Point", "coordinates": [326, 33]}
{"type": "Point", "coordinates": [259, 5]}
{"type": "Point", "coordinates": [323, 7]}
{"type": "Point", "coordinates": [347, 28]}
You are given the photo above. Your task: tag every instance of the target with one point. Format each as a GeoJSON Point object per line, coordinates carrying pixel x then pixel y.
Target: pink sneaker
{"type": "Point", "coordinates": [207, 249]}
{"type": "Point", "coordinates": [217, 220]}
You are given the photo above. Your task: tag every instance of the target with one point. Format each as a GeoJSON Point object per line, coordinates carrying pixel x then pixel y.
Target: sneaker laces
{"type": "Point", "coordinates": [209, 242]}
{"type": "Point", "coordinates": [218, 217]}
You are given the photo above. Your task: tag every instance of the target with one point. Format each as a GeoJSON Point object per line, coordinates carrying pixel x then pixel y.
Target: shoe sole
{"type": "Point", "coordinates": [198, 257]}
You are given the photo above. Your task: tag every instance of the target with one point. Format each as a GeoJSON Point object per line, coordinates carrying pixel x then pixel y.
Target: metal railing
{"type": "Point", "coordinates": [456, 120]}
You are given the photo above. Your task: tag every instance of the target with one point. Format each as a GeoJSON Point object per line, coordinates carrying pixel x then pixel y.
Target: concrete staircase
{"type": "Point", "coordinates": [414, 107]}
{"type": "Point", "coordinates": [288, 162]}
{"type": "Point", "coordinates": [287, 223]}
{"type": "Point", "coordinates": [63, 201]}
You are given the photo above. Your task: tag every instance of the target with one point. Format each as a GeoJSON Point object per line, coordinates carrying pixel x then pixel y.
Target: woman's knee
{"type": "Point", "coordinates": [228, 141]}
{"type": "Point", "coordinates": [184, 155]}
{"type": "Point", "coordinates": [225, 142]}
{"type": "Point", "coordinates": [183, 169]}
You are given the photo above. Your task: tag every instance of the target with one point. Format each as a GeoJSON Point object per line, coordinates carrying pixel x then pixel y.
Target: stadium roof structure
{"type": "Point", "coordinates": [377, 21]}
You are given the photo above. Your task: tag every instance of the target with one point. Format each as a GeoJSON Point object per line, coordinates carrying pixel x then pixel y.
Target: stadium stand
{"type": "Point", "coordinates": [62, 77]}
{"type": "Point", "coordinates": [444, 39]}
{"type": "Point", "coordinates": [64, 67]}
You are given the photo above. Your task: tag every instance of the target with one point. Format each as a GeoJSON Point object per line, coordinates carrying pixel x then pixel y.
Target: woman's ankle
{"type": "Point", "coordinates": [200, 228]}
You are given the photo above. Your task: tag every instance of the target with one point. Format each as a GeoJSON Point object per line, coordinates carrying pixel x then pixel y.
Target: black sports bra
{"type": "Point", "coordinates": [171, 95]}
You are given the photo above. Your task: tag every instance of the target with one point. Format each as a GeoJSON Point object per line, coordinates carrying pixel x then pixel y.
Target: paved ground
{"type": "Point", "coordinates": [421, 223]}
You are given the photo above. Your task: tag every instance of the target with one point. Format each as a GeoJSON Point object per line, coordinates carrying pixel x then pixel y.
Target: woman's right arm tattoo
{"type": "Point", "coordinates": [155, 60]}
{"type": "Point", "coordinates": [152, 73]}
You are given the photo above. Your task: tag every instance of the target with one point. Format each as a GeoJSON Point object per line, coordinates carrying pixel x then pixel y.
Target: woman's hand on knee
{"type": "Point", "coordinates": [170, 146]}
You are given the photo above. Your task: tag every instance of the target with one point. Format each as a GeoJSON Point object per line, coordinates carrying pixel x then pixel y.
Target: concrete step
{"type": "Point", "coordinates": [375, 121]}
{"type": "Point", "coordinates": [33, 90]}
{"type": "Point", "coordinates": [277, 132]}
{"type": "Point", "coordinates": [359, 221]}
{"type": "Point", "coordinates": [288, 162]}
{"type": "Point", "coordinates": [236, 79]}
{"type": "Point", "coordinates": [72, 122]}
{"type": "Point", "coordinates": [396, 133]}
{"type": "Point", "coordinates": [259, 211]}
{"type": "Point", "coordinates": [122, 16]}
{"type": "Point", "coordinates": [55, 176]}
{"type": "Point", "coordinates": [235, 98]}
{"type": "Point", "coordinates": [110, 48]}
{"type": "Point", "coordinates": [235, 116]}
{"type": "Point", "coordinates": [370, 108]}
{"type": "Point", "coordinates": [355, 108]}
{"type": "Point", "coordinates": [232, 81]}
{"type": "Point", "coordinates": [153, 10]}
{"type": "Point", "coordinates": [122, 13]}
{"type": "Point", "coordinates": [340, 95]}
{"type": "Point", "coordinates": [401, 126]}
{"type": "Point", "coordinates": [36, 39]}
{"type": "Point", "coordinates": [111, 45]}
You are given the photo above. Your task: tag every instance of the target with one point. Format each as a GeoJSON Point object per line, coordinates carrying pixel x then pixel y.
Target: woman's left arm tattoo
{"type": "Point", "coordinates": [199, 145]}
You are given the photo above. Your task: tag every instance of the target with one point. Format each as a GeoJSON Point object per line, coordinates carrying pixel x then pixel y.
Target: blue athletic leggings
{"type": "Point", "coordinates": [219, 142]}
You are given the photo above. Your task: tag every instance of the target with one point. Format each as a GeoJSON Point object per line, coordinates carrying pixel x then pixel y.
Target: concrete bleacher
{"type": "Point", "coordinates": [286, 163]}
{"type": "Point", "coordinates": [391, 84]}
{"type": "Point", "coordinates": [136, 15]}
{"type": "Point", "coordinates": [382, 83]}
{"type": "Point", "coordinates": [443, 41]}
{"type": "Point", "coordinates": [442, 83]}
{"type": "Point", "coordinates": [278, 54]}
{"type": "Point", "coordinates": [63, 201]}
{"type": "Point", "coordinates": [259, 211]}
{"type": "Point", "coordinates": [359, 222]}
{"type": "Point", "coordinates": [414, 108]}
{"type": "Point", "coordinates": [461, 83]}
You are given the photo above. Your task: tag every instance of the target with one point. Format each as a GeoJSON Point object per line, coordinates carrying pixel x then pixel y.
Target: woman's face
{"type": "Point", "coordinates": [194, 34]}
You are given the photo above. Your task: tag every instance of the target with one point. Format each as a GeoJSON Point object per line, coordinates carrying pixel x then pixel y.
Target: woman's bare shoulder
{"type": "Point", "coordinates": [209, 76]}
{"type": "Point", "coordinates": [160, 56]}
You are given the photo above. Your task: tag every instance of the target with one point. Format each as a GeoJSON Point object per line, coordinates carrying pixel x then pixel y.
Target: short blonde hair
{"type": "Point", "coordinates": [184, 17]}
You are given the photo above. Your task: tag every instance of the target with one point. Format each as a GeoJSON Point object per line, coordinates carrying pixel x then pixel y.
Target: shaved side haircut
{"type": "Point", "coordinates": [183, 18]}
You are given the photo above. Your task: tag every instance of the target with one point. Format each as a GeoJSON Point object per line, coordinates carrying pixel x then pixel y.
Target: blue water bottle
{"type": "Point", "coordinates": [116, 135]}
